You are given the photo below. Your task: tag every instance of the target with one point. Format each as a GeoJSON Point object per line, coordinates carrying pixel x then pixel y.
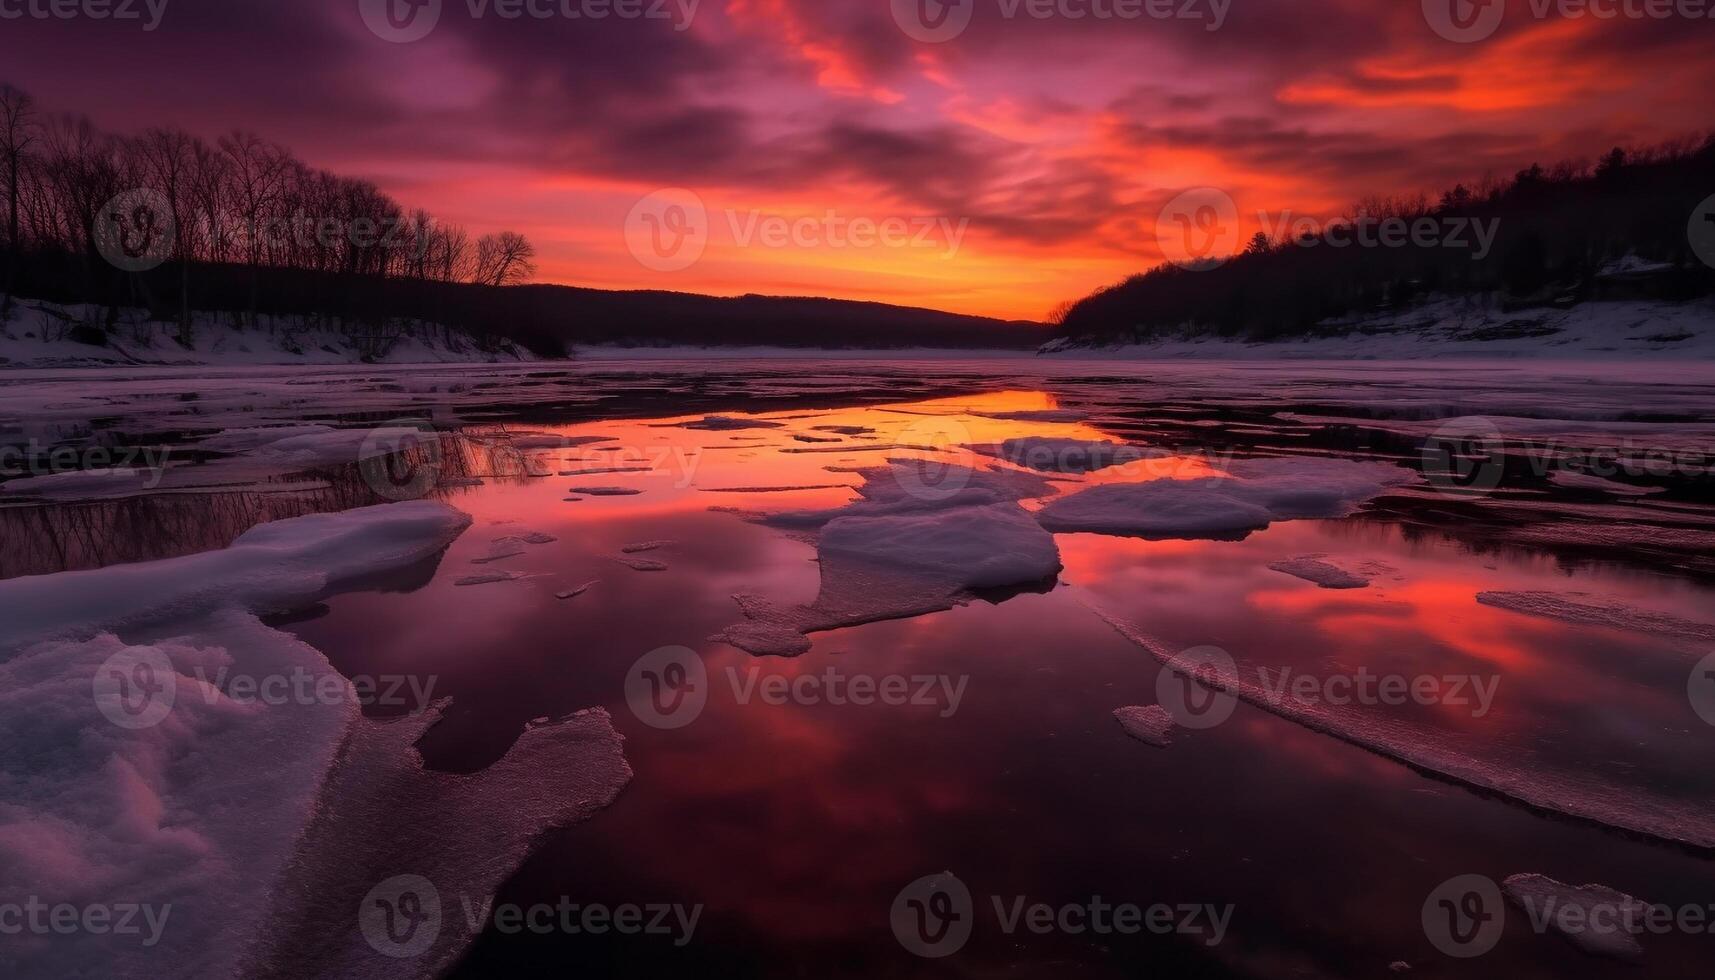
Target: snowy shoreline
{"type": "Point", "coordinates": [39, 337]}
{"type": "Point", "coordinates": [1452, 329]}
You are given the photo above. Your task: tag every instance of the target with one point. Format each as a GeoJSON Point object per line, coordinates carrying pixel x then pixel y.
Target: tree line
{"type": "Point", "coordinates": [174, 223]}
{"type": "Point", "coordinates": [1554, 232]}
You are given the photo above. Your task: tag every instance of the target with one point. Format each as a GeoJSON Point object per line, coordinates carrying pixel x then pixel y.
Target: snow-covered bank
{"type": "Point", "coordinates": [604, 352]}
{"type": "Point", "coordinates": [1458, 328]}
{"type": "Point", "coordinates": [40, 336]}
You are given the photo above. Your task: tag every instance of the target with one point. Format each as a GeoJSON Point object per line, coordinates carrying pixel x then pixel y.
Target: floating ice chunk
{"type": "Point", "coordinates": [262, 824]}
{"type": "Point", "coordinates": [726, 423]}
{"type": "Point", "coordinates": [1065, 455]}
{"type": "Point", "coordinates": [537, 538]}
{"type": "Point", "coordinates": [641, 547]}
{"type": "Point", "coordinates": [1254, 495]}
{"type": "Point", "coordinates": [607, 491]}
{"type": "Point", "coordinates": [1152, 724]}
{"type": "Point", "coordinates": [643, 564]}
{"type": "Point", "coordinates": [1160, 508]}
{"type": "Point", "coordinates": [921, 538]}
{"type": "Point", "coordinates": [270, 568]}
{"type": "Point", "coordinates": [1588, 481]}
{"type": "Point", "coordinates": [1312, 568]}
{"type": "Point", "coordinates": [968, 547]}
{"type": "Point", "coordinates": [85, 484]}
{"type": "Point", "coordinates": [488, 578]}
{"type": "Point", "coordinates": [1596, 919]}
{"type": "Point", "coordinates": [1593, 610]}
{"type": "Point", "coordinates": [385, 825]}
{"type": "Point", "coordinates": [574, 593]}
{"type": "Point", "coordinates": [249, 440]}
{"type": "Point", "coordinates": [844, 430]}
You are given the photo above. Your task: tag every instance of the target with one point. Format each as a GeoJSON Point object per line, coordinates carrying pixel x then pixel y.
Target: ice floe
{"type": "Point", "coordinates": [1586, 609]}
{"type": "Point", "coordinates": [726, 423]}
{"type": "Point", "coordinates": [965, 547]}
{"type": "Point", "coordinates": [487, 578]}
{"type": "Point", "coordinates": [1255, 494]}
{"type": "Point", "coordinates": [1317, 569]}
{"type": "Point", "coordinates": [270, 568]}
{"type": "Point", "coordinates": [922, 537]}
{"type": "Point", "coordinates": [1152, 724]}
{"type": "Point", "coordinates": [252, 827]}
{"type": "Point", "coordinates": [643, 564]}
{"type": "Point", "coordinates": [607, 491]}
{"type": "Point", "coordinates": [1595, 918]}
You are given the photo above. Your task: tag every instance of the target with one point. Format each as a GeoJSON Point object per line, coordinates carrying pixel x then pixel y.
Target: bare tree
{"type": "Point", "coordinates": [17, 133]}
{"type": "Point", "coordinates": [505, 259]}
{"type": "Point", "coordinates": [168, 159]}
{"type": "Point", "coordinates": [256, 171]}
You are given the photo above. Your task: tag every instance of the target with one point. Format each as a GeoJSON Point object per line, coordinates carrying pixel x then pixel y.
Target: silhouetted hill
{"type": "Point", "coordinates": [1554, 236]}
{"type": "Point", "coordinates": [543, 318]}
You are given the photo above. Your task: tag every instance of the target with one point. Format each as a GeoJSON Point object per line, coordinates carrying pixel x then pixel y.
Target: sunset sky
{"type": "Point", "coordinates": [1056, 139]}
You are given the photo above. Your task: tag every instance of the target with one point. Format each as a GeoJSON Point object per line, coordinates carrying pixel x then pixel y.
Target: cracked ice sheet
{"type": "Point", "coordinates": [1517, 765]}
{"type": "Point", "coordinates": [923, 537]}
{"type": "Point", "coordinates": [248, 819]}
